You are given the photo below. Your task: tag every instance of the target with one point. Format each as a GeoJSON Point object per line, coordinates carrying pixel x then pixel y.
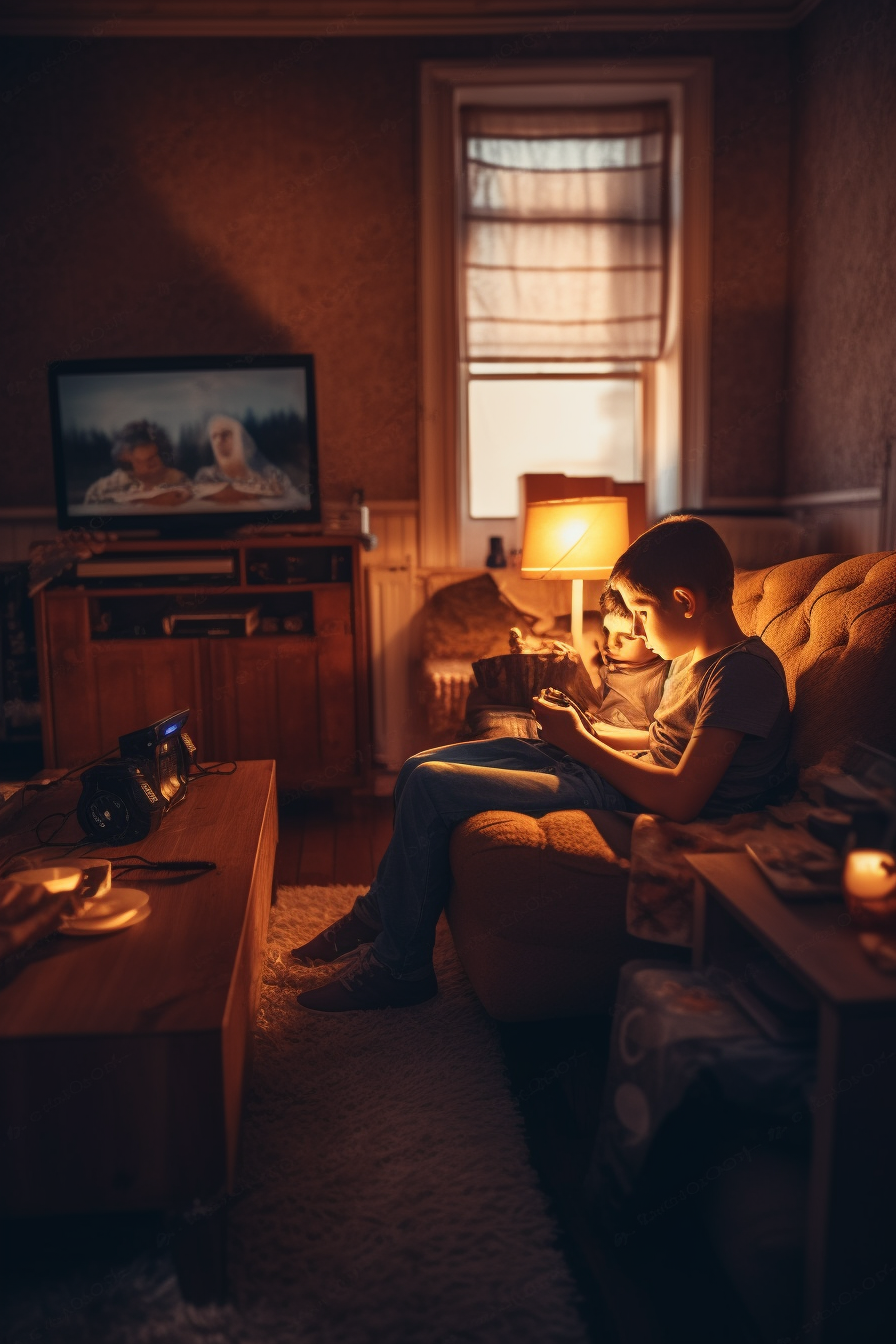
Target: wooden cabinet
{"type": "Point", "coordinates": [265, 702]}
{"type": "Point", "coordinates": [295, 690]}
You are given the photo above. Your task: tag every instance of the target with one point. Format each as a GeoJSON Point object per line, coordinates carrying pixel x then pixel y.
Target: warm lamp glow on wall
{"type": "Point", "coordinates": [574, 539]}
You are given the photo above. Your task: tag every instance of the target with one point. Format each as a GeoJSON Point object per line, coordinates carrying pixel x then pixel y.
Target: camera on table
{"type": "Point", "coordinates": [124, 800]}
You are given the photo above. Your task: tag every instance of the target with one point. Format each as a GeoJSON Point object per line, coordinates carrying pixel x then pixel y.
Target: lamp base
{"type": "Point", "coordinates": [575, 618]}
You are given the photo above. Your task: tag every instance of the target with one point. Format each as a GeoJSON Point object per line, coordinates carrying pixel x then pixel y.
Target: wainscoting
{"type": "Point", "coordinates": [852, 522]}
{"type": "Point", "coordinates": [392, 601]}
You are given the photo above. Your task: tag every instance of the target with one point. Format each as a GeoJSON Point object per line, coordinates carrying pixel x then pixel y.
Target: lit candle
{"type": "Point", "coordinates": [869, 874]}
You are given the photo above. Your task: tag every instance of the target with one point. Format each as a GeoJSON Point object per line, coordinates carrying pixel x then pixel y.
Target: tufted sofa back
{"type": "Point", "coordinates": [831, 619]}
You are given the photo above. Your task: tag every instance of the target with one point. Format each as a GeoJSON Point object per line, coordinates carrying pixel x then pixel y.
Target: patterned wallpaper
{"type": "Point", "coordinates": [204, 195]}
{"type": "Point", "coordinates": [842, 393]}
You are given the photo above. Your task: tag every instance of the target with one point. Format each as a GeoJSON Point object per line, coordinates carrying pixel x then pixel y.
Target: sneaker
{"type": "Point", "coordinates": [366, 983]}
{"type": "Point", "coordinates": [347, 934]}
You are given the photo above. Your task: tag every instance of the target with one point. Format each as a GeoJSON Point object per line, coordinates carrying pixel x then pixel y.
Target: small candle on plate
{"type": "Point", "coordinates": [869, 874]}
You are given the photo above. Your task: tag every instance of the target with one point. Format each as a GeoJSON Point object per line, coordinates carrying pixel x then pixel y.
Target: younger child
{"type": "Point", "coordinates": [632, 674]}
{"type": "Point", "coordinates": [717, 745]}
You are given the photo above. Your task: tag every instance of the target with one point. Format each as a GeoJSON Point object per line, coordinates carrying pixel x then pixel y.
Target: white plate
{"type": "Point", "coordinates": [79, 929]}
{"type": "Point", "coordinates": [118, 909]}
{"type": "Point", "coordinates": [54, 879]}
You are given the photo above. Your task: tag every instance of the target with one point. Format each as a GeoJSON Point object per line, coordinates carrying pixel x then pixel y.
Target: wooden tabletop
{"type": "Point", "coordinates": [816, 940]}
{"type": "Point", "coordinates": [172, 972]}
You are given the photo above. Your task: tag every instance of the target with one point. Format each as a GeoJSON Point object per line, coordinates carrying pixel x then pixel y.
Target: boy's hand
{"type": "Point", "coordinates": [560, 725]}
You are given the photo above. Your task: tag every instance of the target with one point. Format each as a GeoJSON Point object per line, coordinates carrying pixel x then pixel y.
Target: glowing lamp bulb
{"type": "Point", "coordinates": [572, 532]}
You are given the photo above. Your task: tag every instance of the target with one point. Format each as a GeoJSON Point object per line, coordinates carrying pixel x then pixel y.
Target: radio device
{"type": "Point", "coordinates": [124, 800]}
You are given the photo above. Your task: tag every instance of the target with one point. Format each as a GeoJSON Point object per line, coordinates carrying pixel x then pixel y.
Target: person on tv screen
{"type": "Point", "coordinates": [239, 472]}
{"type": "Point", "coordinates": [144, 470]}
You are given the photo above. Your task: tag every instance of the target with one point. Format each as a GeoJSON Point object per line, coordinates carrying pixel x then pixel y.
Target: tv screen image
{"type": "Point", "coordinates": [185, 444]}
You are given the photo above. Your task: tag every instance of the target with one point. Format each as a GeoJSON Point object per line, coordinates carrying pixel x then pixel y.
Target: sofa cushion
{"type": "Point", "coordinates": [831, 619]}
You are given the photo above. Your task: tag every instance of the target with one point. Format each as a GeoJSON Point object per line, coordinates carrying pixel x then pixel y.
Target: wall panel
{"type": "Point", "coordinates": [841, 384]}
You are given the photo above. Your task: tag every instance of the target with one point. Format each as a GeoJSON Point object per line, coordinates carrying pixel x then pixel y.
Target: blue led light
{"type": "Point", "coordinates": [171, 729]}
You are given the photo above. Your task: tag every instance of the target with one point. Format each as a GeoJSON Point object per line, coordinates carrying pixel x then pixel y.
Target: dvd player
{"type": "Point", "coordinates": [189, 625]}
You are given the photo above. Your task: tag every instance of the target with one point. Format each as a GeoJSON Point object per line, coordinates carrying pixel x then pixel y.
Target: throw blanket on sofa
{"type": "Point", "coordinates": [662, 884]}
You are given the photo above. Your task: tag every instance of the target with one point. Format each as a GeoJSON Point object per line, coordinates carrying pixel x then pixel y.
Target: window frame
{"type": "Point", "coordinates": [675, 388]}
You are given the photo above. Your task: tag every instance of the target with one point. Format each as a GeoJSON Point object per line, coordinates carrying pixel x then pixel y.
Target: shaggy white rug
{"type": "Point", "coordinates": [385, 1193]}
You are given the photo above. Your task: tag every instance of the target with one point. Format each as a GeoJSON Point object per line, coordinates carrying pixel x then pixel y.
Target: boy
{"type": "Point", "coordinates": [717, 745]}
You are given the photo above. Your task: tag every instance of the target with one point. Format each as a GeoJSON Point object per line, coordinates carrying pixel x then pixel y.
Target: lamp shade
{"type": "Point", "coordinates": [574, 538]}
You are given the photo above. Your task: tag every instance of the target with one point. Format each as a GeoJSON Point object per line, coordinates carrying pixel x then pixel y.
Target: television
{"type": "Point", "coordinates": [186, 446]}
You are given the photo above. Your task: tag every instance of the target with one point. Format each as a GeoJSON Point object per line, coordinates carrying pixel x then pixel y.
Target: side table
{"type": "Point", "coordinates": [851, 1230]}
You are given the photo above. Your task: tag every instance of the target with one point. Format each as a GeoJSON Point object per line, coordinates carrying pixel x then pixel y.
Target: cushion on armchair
{"type": "Point", "coordinates": [470, 621]}
{"type": "Point", "coordinates": [461, 622]}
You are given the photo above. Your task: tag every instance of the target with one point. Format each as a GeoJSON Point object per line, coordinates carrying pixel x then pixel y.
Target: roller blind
{"type": "Point", "coordinates": [564, 232]}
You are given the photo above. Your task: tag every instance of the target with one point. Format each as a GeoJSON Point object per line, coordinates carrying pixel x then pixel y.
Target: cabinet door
{"type": "Point", "coordinates": [103, 688]}
{"type": "Point", "coordinates": [138, 681]}
{"type": "Point", "coordinates": [68, 697]}
{"type": "Point", "coordinates": [264, 703]}
{"type": "Point", "coordinates": [336, 672]}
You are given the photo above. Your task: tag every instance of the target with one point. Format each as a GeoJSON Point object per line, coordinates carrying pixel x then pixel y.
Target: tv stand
{"type": "Point", "coordinates": [263, 637]}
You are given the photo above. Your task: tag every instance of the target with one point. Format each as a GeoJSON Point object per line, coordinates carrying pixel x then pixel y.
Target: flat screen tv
{"type": "Point", "coordinates": [185, 446]}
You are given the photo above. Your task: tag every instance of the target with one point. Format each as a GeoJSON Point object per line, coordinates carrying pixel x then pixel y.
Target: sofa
{"type": "Point", "coordinates": [538, 904]}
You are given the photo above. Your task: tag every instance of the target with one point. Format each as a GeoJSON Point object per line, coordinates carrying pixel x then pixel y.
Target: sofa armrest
{"type": "Point", "coordinates": [537, 911]}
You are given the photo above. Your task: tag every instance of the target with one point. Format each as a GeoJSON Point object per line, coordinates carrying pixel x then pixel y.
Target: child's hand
{"type": "Point", "coordinates": [558, 724]}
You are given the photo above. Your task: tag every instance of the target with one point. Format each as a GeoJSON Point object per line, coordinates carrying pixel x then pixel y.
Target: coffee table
{"type": "Point", "coordinates": [851, 1225]}
{"type": "Point", "coordinates": [124, 1056]}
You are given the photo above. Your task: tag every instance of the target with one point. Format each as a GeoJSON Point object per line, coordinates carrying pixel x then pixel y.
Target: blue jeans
{"type": "Point", "coordinates": [435, 791]}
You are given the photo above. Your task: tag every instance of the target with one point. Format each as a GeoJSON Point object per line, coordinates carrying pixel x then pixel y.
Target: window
{"type": "Point", "coordinates": [579, 418]}
{"type": "Point", "coordinates": [564, 260]}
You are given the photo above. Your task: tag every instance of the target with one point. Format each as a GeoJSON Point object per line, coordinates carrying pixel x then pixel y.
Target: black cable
{"type": "Point", "coordinates": [214, 770]}
{"type": "Point", "coordinates": [128, 863]}
{"type": "Point", "coordinates": [42, 843]}
{"type": "Point", "coordinates": [136, 862]}
{"type": "Point", "coordinates": [52, 783]}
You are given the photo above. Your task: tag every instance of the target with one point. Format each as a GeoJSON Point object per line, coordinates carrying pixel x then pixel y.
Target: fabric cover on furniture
{"type": "Point", "coordinates": [461, 622]}
{"type": "Point", "coordinates": [470, 620]}
{"type": "Point", "coordinates": [537, 906]}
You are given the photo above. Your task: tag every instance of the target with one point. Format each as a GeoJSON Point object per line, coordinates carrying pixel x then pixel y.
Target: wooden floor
{"type": "Point", "coordinates": [332, 840]}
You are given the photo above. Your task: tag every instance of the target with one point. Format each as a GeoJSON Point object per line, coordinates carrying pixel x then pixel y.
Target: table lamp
{"type": "Point", "coordinates": [574, 539]}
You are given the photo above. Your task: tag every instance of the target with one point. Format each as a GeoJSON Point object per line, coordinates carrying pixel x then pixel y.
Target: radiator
{"type": "Point", "coordinates": [759, 541]}
{"type": "Point", "coordinates": [392, 599]}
